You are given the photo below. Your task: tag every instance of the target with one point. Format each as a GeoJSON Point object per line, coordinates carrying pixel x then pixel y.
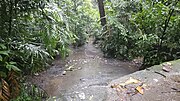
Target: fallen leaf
{"type": "Point", "coordinates": [122, 84]}
{"type": "Point", "coordinates": [140, 89]}
{"type": "Point", "coordinates": [132, 81]}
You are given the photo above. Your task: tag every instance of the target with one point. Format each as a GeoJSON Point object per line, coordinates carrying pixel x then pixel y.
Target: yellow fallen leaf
{"type": "Point", "coordinates": [122, 84]}
{"type": "Point", "coordinates": [132, 81]}
{"type": "Point", "coordinates": [140, 89]}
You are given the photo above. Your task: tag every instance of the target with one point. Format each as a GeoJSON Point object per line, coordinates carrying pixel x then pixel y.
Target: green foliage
{"type": "Point", "coordinates": [147, 29]}
{"type": "Point", "coordinates": [5, 63]}
{"type": "Point", "coordinates": [120, 40]}
{"type": "Point", "coordinates": [160, 22]}
{"type": "Point", "coordinates": [35, 31]}
{"type": "Point", "coordinates": [82, 19]}
{"type": "Point", "coordinates": [31, 92]}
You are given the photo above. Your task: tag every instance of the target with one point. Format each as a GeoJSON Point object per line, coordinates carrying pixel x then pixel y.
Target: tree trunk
{"type": "Point", "coordinates": [102, 12]}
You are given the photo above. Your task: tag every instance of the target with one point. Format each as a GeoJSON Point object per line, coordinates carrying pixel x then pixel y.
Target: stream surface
{"type": "Point", "coordinates": [84, 76]}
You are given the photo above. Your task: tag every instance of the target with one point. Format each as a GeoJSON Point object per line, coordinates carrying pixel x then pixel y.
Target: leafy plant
{"type": "Point", "coordinates": [35, 31]}
{"type": "Point", "coordinates": [80, 20]}
{"type": "Point", "coordinates": [30, 36]}
{"type": "Point", "coordinates": [9, 86]}
{"type": "Point", "coordinates": [30, 92]}
{"type": "Point", "coordinates": [144, 29]}
{"type": "Point", "coordinates": [158, 23]}
{"type": "Point", "coordinates": [120, 39]}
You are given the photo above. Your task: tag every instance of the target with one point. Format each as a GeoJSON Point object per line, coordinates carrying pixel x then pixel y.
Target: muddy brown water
{"type": "Point", "coordinates": [83, 76]}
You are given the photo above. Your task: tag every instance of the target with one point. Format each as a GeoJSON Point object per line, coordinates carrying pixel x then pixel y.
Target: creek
{"type": "Point", "coordinates": [83, 76]}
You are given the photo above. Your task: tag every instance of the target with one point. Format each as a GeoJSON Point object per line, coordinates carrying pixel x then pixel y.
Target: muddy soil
{"type": "Point", "coordinates": [83, 76]}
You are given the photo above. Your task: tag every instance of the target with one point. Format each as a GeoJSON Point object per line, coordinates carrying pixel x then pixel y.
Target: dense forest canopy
{"type": "Point", "coordinates": [33, 32]}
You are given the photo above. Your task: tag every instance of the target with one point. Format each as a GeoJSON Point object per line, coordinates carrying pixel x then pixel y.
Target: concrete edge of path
{"type": "Point", "coordinates": [148, 76]}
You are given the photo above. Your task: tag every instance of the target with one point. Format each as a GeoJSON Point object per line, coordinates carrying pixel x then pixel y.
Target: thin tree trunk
{"type": "Point", "coordinates": [102, 12]}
